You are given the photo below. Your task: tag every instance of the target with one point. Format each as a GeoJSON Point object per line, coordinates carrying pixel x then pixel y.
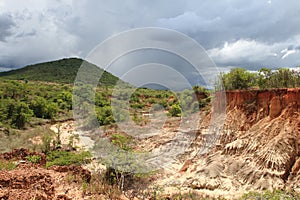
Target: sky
{"type": "Point", "coordinates": [234, 33]}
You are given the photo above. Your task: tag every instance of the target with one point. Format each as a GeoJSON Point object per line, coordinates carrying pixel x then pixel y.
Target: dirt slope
{"type": "Point", "coordinates": [34, 181]}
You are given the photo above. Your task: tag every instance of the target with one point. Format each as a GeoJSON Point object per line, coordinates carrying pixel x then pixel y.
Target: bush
{"type": "Point", "coordinates": [34, 159]}
{"type": "Point", "coordinates": [44, 109]}
{"type": "Point", "coordinates": [175, 110]}
{"type": "Point", "coordinates": [62, 158]}
{"type": "Point", "coordinates": [239, 78]}
{"type": "Point", "coordinates": [124, 142]}
{"type": "Point", "coordinates": [105, 115]}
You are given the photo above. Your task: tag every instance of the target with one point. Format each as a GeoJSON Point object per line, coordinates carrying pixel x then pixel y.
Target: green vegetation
{"type": "Point", "coordinates": [175, 110]}
{"type": "Point", "coordinates": [34, 159]}
{"type": "Point", "coordinates": [27, 103]}
{"type": "Point", "coordinates": [7, 165]}
{"type": "Point", "coordinates": [124, 142]}
{"type": "Point", "coordinates": [274, 195]}
{"type": "Point", "coordinates": [59, 71]}
{"type": "Point", "coordinates": [239, 78]}
{"type": "Point", "coordinates": [62, 158]}
{"type": "Point", "coordinates": [20, 114]}
{"type": "Point", "coordinates": [24, 102]}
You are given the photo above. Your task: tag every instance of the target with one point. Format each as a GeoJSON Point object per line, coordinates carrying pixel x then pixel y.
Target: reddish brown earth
{"type": "Point", "coordinates": [34, 181]}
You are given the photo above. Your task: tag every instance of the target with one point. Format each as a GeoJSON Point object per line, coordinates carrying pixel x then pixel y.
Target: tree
{"type": "Point", "coordinates": [44, 109]}
{"type": "Point", "coordinates": [39, 106]}
{"type": "Point", "coordinates": [283, 78]}
{"type": "Point", "coordinates": [175, 110]}
{"type": "Point", "coordinates": [65, 100]}
{"type": "Point", "coordinates": [264, 78]}
{"type": "Point", "coordinates": [51, 110]}
{"type": "Point", "coordinates": [21, 115]}
{"type": "Point", "coordinates": [238, 79]}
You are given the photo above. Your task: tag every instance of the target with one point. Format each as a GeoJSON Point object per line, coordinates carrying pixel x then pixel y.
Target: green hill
{"type": "Point", "coordinates": [59, 71]}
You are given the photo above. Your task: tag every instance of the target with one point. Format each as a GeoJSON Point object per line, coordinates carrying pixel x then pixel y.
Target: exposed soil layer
{"type": "Point", "coordinates": [258, 148]}
{"type": "Point", "coordinates": [34, 181]}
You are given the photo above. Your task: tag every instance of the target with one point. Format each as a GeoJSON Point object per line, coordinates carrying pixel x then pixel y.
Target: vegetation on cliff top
{"type": "Point", "coordinates": [240, 78]}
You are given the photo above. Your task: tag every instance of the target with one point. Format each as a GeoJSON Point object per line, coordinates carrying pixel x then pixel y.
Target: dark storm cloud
{"type": "Point", "coordinates": [234, 33]}
{"type": "Point", "coordinates": [6, 23]}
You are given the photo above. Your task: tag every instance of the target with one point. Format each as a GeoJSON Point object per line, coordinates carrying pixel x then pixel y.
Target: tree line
{"type": "Point", "coordinates": [241, 79]}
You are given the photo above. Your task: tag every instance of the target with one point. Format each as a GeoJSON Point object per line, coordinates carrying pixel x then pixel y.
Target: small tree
{"type": "Point", "coordinates": [39, 106]}
{"type": "Point", "coordinates": [52, 110]}
{"type": "Point", "coordinates": [264, 78]}
{"type": "Point", "coordinates": [21, 115]}
{"type": "Point", "coordinates": [238, 79]}
{"type": "Point", "coordinates": [175, 110]}
{"type": "Point", "coordinates": [47, 139]}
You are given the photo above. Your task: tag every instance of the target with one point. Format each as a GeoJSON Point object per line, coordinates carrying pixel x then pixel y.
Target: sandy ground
{"type": "Point", "coordinates": [66, 131]}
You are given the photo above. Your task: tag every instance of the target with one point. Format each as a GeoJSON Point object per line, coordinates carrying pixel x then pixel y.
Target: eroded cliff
{"type": "Point", "coordinates": [258, 146]}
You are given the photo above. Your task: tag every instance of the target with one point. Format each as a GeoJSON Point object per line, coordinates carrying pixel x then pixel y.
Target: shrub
{"type": "Point", "coordinates": [105, 115]}
{"type": "Point", "coordinates": [43, 108]}
{"type": "Point", "coordinates": [175, 110]}
{"type": "Point", "coordinates": [62, 158]}
{"type": "Point", "coordinates": [46, 145]}
{"type": "Point", "coordinates": [124, 142]}
{"type": "Point", "coordinates": [34, 159]}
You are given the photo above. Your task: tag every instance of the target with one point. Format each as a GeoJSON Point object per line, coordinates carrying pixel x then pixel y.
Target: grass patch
{"type": "Point", "coordinates": [7, 165]}
{"type": "Point", "coordinates": [271, 195]}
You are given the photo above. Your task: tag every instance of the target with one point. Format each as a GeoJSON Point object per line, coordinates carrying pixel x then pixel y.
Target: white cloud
{"type": "Point", "coordinates": [17, 6]}
{"type": "Point", "coordinates": [37, 35]}
{"type": "Point", "coordinates": [2, 4]}
{"type": "Point", "coordinates": [190, 22]}
{"type": "Point", "coordinates": [255, 54]}
{"type": "Point", "coordinates": [249, 50]}
{"type": "Point", "coordinates": [255, 31]}
{"type": "Point", "coordinates": [288, 52]}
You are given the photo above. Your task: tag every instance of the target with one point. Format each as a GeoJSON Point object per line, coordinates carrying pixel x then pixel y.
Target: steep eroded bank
{"type": "Point", "coordinates": [258, 147]}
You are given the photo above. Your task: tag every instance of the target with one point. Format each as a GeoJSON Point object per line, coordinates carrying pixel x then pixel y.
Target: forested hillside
{"type": "Point", "coordinates": [59, 71]}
